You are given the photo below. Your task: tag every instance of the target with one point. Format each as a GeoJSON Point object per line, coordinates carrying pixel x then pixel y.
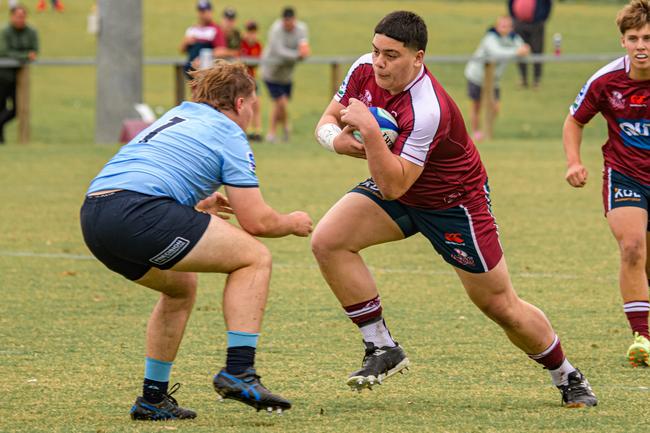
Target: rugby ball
{"type": "Point", "coordinates": [387, 125]}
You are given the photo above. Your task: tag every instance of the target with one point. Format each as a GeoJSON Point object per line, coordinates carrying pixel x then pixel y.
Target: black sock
{"type": "Point", "coordinates": [154, 391]}
{"type": "Point", "coordinates": [240, 358]}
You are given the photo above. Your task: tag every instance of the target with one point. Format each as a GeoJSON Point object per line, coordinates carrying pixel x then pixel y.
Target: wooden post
{"type": "Point", "coordinates": [22, 103]}
{"type": "Point", "coordinates": [335, 78]}
{"type": "Point", "coordinates": [488, 99]}
{"type": "Point", "coordinates": [179, 80]}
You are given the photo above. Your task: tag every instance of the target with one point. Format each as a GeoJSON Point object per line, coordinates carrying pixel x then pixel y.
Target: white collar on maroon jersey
{"type": "Point", "coordinates": [417, 78]}
{"type": "Point", "coordinates": [626, 62]}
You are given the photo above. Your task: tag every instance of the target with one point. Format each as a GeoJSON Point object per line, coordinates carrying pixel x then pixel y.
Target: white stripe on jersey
{"type": "Point", "coordinates": [366, 59]}
{"type": "Point", "coordinates": [202, 33]}
{"type": "Point", "coordinates": [426, 120]}
{"type": "Point", "coordinates": [618, 64]}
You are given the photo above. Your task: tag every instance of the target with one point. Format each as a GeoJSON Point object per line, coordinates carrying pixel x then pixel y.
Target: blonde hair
{"type": "Point", "coordinates": [221, 84]}
{"type": "Point", "coordinates": [634, 15]}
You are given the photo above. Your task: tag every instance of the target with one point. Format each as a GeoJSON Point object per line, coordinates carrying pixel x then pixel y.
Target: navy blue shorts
{"type": "Point", "coordinates": [623, 191]}
{"type": "Point", "coordinates": [277, 90]}
{"type": "Point", "coordinates": [466, 236]}
{"type": "Point", "coordinates": [131, 232]}
{"type": "Point", "coordinates": [474, 92]}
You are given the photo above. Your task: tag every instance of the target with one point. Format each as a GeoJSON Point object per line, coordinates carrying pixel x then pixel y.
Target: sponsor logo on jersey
{"type": "Point", "coordinates": [626, 195]}
{"type": "Point", "coordinates": [638, 101]}
{"type": "Point", "coordinates": [617, 101]}
{"type": "Point", "coordinates": [251, 161]}
{"type": "Point", "coordinates": [454, 239]}
{"type": "Point", "coordinates": [462, 257]}
{"type": "Point", "coordinates": [579, 98]}
{"type": "Point", "coordinates": [635, 132]}
{"type": "Point", "coordinates": [366, 98]}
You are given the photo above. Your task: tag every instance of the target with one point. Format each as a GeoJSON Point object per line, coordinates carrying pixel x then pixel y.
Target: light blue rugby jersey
{"type": "Point", "coordinates": [186, 154]}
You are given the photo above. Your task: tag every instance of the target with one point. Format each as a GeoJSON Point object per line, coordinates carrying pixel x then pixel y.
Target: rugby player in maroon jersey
{"type": "Point", "coordinates": [620, 91]}
{"type": "Point", "coordinates": [430, 181]}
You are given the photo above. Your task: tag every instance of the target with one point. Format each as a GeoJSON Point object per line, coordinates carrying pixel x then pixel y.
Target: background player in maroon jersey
{"type": "Point", "coordinates": [621, 92]}
{"type": "Point", "coordinates": [431, 181]}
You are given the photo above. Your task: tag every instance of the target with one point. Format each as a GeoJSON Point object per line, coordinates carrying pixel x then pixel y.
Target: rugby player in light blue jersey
{"type": "Point", "coordinates": [153, 215]}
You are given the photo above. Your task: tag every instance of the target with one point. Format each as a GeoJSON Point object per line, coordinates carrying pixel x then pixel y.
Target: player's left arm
{"type": "Point", "coordinates": [392, 174]}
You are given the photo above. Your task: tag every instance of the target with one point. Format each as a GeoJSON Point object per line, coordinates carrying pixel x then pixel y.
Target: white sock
{"type": "Point", "coordinates": [378, 334]}
{"type": "Point", "coordinates": [560, 376]}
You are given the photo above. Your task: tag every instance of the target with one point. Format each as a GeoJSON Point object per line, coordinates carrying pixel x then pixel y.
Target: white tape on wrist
{"type": "Point", "coordinates": [326, 134]}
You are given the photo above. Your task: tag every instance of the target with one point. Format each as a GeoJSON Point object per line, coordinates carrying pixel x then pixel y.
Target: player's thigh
{"type": "Point", "coordinates": [223, 248]}
{"type": "Point", "coordinates": [172, 283]}
{"type": "Point", "coordinates": [629, 227]}
{"type": "Point", "coordinates": [355, 222]}
{"type": "Point", "coordinates": [486, 289]}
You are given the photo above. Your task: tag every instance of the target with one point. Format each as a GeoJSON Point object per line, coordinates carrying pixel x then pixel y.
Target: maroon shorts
{"type": "Point", "coordinates": [466, 236]}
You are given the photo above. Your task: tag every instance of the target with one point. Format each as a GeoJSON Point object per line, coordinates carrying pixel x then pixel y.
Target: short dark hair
{"type": "Point", "coordinates": [406, 27]}
{"type": "Point", "coordinates": [288, 12]}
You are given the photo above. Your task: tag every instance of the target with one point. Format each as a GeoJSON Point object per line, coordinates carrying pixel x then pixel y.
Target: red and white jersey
{"type": "Point", "coordinates": [208, 33]}
{"type": "Point", "coordinates": [432, 135]}
{"type": "Point", "coordinates": [625, 105]}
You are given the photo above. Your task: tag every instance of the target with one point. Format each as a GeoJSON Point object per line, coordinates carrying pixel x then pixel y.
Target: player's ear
{"type": "Point", "coordinates": [623, 41]}
{"type": "Point", "coordinates": [239, 102]}
{"type": "Point", "coordinates": [419, 58]}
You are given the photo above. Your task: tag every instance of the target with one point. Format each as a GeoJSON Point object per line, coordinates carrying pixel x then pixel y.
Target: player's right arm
{"type": "Point", "coordinates": [576, 173]}
{"type": "Point", "coordinates": [256, 217]}
{"type": "Point", "coordinates": [334, 135]}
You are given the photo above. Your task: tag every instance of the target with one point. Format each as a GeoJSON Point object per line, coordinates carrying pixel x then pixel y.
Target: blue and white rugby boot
{"type": "Point", "coordinates": [247, 388]}
{"type": "Point", "coordinates": [167, 409]}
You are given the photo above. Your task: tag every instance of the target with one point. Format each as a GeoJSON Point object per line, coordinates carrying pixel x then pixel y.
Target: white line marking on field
{"type": "Point", "coordinates": [46, 255]}
{"type": "Point", "coordinates": [419, 271]}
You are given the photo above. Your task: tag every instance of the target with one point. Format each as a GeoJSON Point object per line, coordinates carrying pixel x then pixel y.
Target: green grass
{"type": "Point", "coordinates": [72, 333]}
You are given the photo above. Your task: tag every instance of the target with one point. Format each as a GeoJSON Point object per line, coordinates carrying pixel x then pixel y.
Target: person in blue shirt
{"type": "Point", "coordinates": [153, 215]}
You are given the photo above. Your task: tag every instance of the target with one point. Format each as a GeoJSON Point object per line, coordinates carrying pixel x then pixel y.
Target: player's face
{"type": "Point", "coordinates": [637, 44]}
{"type": "Point", "coordinates": [394, 64]}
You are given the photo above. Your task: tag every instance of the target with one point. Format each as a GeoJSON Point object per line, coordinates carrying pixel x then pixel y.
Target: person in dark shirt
{"type": "Point", "coordinates": [18, 41]}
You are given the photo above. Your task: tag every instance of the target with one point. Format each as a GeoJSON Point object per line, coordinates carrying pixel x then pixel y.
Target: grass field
{"type": "Point", "coordinates": [72, 333]}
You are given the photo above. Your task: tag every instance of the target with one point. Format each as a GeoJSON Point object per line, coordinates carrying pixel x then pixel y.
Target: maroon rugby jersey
{"type": "Point", "coordinates": [432, 135]}
{"type": "Point", "coordinates": [625, 104]}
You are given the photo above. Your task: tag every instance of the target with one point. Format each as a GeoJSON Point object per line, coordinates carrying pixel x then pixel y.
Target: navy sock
{"type": "Point", "coordinates": [239, 358]}
{"type": "Point", "coordinates": [154, 391]}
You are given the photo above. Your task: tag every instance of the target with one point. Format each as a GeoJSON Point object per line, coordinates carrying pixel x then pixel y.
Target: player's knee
{"type": "Point", "coordinates": [180, 288]}
{"type": "Point", "coordinates": [633, 252]}
{"type": "Point", "coordinates": [502, 310]}
{"type": "Point", "coordinates": [323, 244]}
{"type": "Point", "coordinates": [261, 256]}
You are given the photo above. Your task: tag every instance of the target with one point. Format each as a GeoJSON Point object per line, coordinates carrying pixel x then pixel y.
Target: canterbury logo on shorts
{"type": "Point", "coordinates": [175, 248]}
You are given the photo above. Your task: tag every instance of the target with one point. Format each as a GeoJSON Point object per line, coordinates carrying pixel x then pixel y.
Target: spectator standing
{"type": "Point", "coordinates": [287, 43]}
{"type": "Point", "coordinates": [18, 41]}
{"type": "Point", "coordinates": [229, 41]}
{"type": "Point", "coordinates": [529, 18]}
{"type": "Point", "coordinates": [251, 47]}
{"type": "Point", "coordinates": [202, 35]}
{"type": "Point", "coordinates": [499, 42]}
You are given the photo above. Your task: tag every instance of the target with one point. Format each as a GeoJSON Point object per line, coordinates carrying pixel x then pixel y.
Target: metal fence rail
{"type": "Point", "coordinates": [335, 62]}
